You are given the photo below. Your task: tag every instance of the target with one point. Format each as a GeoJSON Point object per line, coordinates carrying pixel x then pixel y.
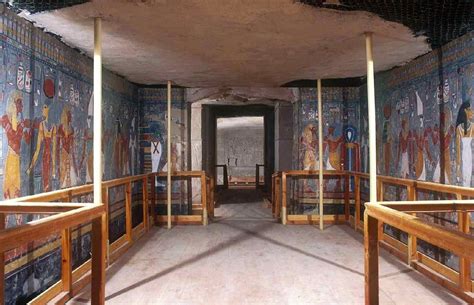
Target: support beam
{"type": "Point", "coordinates": [372, 123]}
{"type": "Point", "coordinates": [371, 247]}
{"type": "Point", "coordinates": [98, 225]}
{"type": "Point", "coordinates": [320, 144]}
{"type": "Point", "coordinates": [168, 146]}
{"type": "Point", "coordinates": [97, 138]}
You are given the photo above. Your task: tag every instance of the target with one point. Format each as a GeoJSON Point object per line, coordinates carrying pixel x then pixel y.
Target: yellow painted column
{"type": "Point", "coordinates": [372, 122]}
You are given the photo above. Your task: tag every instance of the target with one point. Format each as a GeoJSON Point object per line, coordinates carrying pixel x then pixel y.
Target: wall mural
{"type": "Point", "coordinates": [425, 126]}
{"type": "Point", "coordinates": [341, 148]}
{"type": "Point", "coordinates": [153, 143]}
{"type": "Point", "coordinates": [46, 141]}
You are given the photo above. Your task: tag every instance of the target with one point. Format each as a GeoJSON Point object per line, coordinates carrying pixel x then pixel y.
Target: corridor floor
{"type": "Point", "coordinates": [245, 257]}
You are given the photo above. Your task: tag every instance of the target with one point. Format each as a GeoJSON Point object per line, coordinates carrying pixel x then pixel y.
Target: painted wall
{"type": "Point", "coordinates": [153, 141]}
{"type": "Point", "coordinates": [341, 146]}
{"type": "Point", "coordinates": [425, 126]}
{"type": "Point", "coordinates": [46, 141]}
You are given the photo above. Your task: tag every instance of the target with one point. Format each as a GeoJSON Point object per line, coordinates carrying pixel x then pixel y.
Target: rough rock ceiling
{"type": "Point", "coordinates": [440, 20]}
{"type": "Point", "coordinates": [213, 43]}
{"type": "Point", "coordinates": [35, 6]}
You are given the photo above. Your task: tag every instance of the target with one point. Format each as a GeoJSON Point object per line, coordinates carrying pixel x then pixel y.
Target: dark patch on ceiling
{"type": "Point", "coordinates": [332, 82]}
{"type": "Point", "coordinates": [440, 20]}
{"type": "Point", "coordinates": [36, 6]}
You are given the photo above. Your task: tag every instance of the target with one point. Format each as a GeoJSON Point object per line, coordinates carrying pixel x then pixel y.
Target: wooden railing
{"type": "Point", "coordinates": [458, 282]}
{"type": "Point", "coordinates": [395, 214]}
{"type": "Point", "coordinates": [72, 281]}
{"type": "Point", "coordinates": [64, 217]}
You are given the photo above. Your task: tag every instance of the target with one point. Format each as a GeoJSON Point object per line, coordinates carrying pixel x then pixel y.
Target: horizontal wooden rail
{"type": "Point", "coordinates": [39, 207]}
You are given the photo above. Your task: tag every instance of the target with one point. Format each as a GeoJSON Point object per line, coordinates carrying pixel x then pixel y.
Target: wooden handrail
{"type": "Point", "coordinates": [39, 207]}
{"type": "Point", "coordinates": [459, 243]}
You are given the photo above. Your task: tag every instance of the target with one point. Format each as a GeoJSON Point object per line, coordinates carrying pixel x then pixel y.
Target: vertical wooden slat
{"type": "Point", "coordinates": [346, 197]}
{"type": "Point", "coordinates": [98, 261]}
{"type": "Point", "coordinates": [204, 199]}
{"type": "Point", "coordinates": [66, 261]}
{"type": "Point", "coordinates": [212, 195]}
{"type": "Point", "coordinates": [412, 240]}
{"type": "Point", "coordinates": [371, 248]}
{"type": "Point", "coordinates": [128, 210]}
{"type": "Point", "coordinates": [2, 264]}
{"type": "Point", "coordinates": [145, 203]}
{"type": "Point", "coordinates": [153, 198]}
{"type": "Point", "coordinates": [283, 198]}
{"type": "Point", "coordinates": [273, 196]}
{"type": "Point", "coordinates": [257, 175]}
{"type": "Point", "coordinates": [464, 224]}
{"type": "Point", "coordinates": [357, 202]}
{"type": "Point", "coordinates": [380, 197]}
{"type": "Point", "coordinates": [105, 200]}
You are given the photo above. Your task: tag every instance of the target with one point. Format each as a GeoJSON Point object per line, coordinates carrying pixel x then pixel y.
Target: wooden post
{"type": "Point", "coordinates": [98, 261]}
{"type": "Point", "coordinates": [320, 151]}
{"type": "Point", "coordinates": [2, 264]}
{"type": "Point", "coordinates": [412, 241]}
{"type": "Point", "coordinates": [346, 197]}
{"type": "Point", "coordinates": [357, 202]}
{"type": "Point", "coordinates": [371, 248]}
{"type": "Point", "coordinates": [97, 137]}
{"type": "Point", "coordinates": [283, 198]}
{"type": "Point", "coordinates": [128, 210]}
{"type": "Point", "coordinates": [257, 175]}
{"type": "Point", "coordinates": [66, 260]}
{"type": "Point", "coordinates": [372, 122]}
{"type": "Point", "coordinates": [212, 199]}
{"type": "Point", "coordinates": [145, 203]}
{"type": "Point", "coordinates": [169, 165]}
{"type": "Point", "coordinates": [465, 281]}
{"type": "Point", "coordinates": [153, 199]}
{"type": "Point", "coordinates": [204, 199]}
{"type": "Point", "coordinates": [105, 200]}
{"type": "Point", "coordinates": [380, 196]}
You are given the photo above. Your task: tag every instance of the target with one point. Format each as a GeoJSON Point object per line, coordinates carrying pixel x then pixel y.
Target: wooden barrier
{"type": "Point", "coordinates": [60, 222]}
{"type": "Point", "coordinates": [459, 243]}
{"type": "Point", "coordinates": [459, 283]}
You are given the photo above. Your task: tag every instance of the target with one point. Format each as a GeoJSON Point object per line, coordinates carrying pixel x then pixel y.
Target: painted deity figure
{"type": "Point", "coordinates": [333, 144]}
{"type": "Point", "coordinates": [386, 139]}
{"type": "Point", "coordinates": [47, 142]}
{"type": "Point", "coordinates": [308, 142]}
{"type": "Point", "coordinates": [421, 141]}
{"type": "Point", "coordinates": [464, 135]}
{"type": "Point", "coordinates": [68, 174]}
{"type": "Point", "coordinates": [403, 147]}
{"type": "Point", "coordinates": [156, 150]}
{"type": "Point", "coordinates": [14, 126]}
{"type": "Point", "coordinates": [443, 136]}
{"type": "Point", "coordinates": [132, 146]}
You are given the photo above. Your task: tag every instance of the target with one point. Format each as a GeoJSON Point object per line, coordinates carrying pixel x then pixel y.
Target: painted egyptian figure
{"type": "Point", "coordinates": [464, 135]}
{"type": "Point", "coordinates": [333, 143]}
{"type": "Point", "coordinates": [67, 167]}
{"type": "Point", "coordinates": [387, 139]}
{"type": "Point", "coordinates": [310, 161]}
{"type": "Point", "coordinates": [47, 141]}
{"type": "Point", "coordinates": [421, 141]}
{"type": "Point", "coordinates": [443, 137]}
{"type": "Point", "coordinates": [404, 142]}
{"type": "Point", "coordinates": [14, 126]}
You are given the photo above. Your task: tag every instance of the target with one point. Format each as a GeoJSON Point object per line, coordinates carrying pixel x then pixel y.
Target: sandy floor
{"type": "Point", "coordinates": [244, 257]}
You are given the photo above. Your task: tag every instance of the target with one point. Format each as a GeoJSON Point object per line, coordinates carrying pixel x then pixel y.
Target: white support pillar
{"type": "Point", "coordinates": [97, 137]}
{"type": "Point", "coordinates": [168, 146]}
{"type": "Point", "coordinates": [372, 122]}
{"type": "Point", "coordinates": [320, 144]}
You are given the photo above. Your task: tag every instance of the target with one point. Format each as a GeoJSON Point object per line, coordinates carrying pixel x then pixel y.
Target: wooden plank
{"type": "Point", "coordinates": [357, 202]}
{"type": "Point", "coordinates": [371, 257]}
{"type": "Point", "coordinates": [66, 260]}
{"type": "Point", "coordinates": [346, 197]}
{"type": "Point", "coordinates": [38, 207]}
{"type": "Point", "coordinates": [81, 270]}
{"type": "Point", "coordinates": [98, 246]}
{"type": "Point", "coordinates": [431, 205]}
{"type": "Point", "coordinates": [181, 219]}
{"type": "Point", "coordinates": [465, 281]}
{"type": "Point", "coordinates": [145, 202]}
{"type": "Point", "coordinates": [440, 268]}
{"type": "Point", "coordinates": [34, 230]}
{"type": "Point", "coordinates": [118, 243]}
{"type": "Point", "coordinates": [2, 263]}
{"type": "Point", "coordinates": [314, 219]}
{"type": "Point", "coordinates": [153, 200]}
{"type": "Point", "coordinates": [412, 240]}
{"type": "Point", "coordinates": [128, 211]}
{"type": "Point", "coordinates": [204, 199]}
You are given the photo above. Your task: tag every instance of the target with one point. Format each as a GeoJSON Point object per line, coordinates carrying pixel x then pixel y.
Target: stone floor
{"type": "Point", "coordinates": [245, 257]}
